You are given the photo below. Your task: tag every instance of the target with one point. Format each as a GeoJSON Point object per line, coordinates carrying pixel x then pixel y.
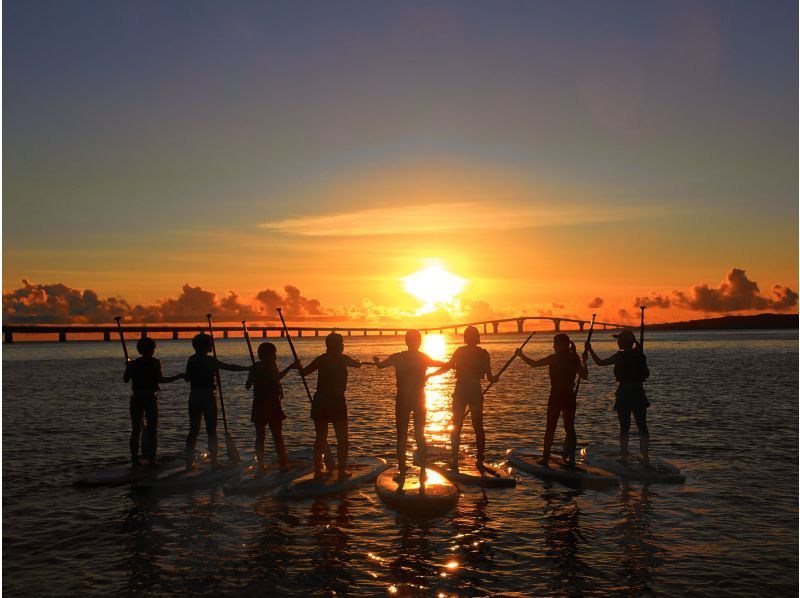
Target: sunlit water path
{"type": "Point", "coordinates": [725, 410]}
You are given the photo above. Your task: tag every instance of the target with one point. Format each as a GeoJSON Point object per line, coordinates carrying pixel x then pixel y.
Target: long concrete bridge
{"type": "Point", "coordinates": [108, 332]}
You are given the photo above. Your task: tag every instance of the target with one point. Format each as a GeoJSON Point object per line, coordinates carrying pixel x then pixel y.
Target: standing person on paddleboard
{"type": "Point", "coordinates": [200, 371]}
{"type": "Point", "coordinates": [265, 380]}
{"type": "Point", "coordinates": [144, 374]}
{"type": "Point", "coordinates": [631, 371]}
{"type": "Point", "coordinates": [410, 369]}
{"type": "Point", "coordinates": [563, 365]}
{"type": "Point", "coordinates": [329, 405]}
{"type": "Point", "coordinates": [471, 363]}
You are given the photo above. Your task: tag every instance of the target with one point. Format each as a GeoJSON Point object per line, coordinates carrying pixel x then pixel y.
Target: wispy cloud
{"type": "Point", "coordinates": [442, 217]}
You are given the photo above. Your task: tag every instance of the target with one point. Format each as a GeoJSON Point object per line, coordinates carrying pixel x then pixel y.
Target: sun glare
{"type": "Point", "coordinates": [435, 286]}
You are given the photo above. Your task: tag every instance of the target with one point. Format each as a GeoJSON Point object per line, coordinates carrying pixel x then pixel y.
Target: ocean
{"type": "Point", "coordinates": [724, 410]}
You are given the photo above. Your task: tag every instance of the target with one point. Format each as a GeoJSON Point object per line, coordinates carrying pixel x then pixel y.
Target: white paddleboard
{"type": "Point", "coordinates": [435, 495]}
{"type": "Point", "coordinates": [200, 476]}
{"type": "Point", "coordinates": [253, 482]}
{"type": "Point", "coordinates": [656, 472]}
{"type": "Point", "coordinates": [488, 476]}
{"type": "Point", "coordinates": [364, 469]}
{"type": "Point", "coordinates": [581, 476]}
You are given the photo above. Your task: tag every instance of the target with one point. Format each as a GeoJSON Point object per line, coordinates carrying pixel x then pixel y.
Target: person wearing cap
{"type": "Point", "coordinates": [144, 374]}
{"type": "Point", "coordinates": [410, 369]}
{"type": "Point", "coordinates": [471, 364]}
{"type": "Point", "coordinates": [564, 365]}
{"type": "Point", "coordinates": [630, 371]}
{"type": "Point", "coordinates": [200, 371]}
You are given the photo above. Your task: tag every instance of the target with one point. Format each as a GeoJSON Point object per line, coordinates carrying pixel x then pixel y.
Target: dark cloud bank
{"type": "Point", "coordinates": [58, 303]}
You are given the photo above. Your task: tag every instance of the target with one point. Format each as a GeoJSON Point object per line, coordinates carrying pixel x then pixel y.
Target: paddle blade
{"type": "Point", "coordinates": [233, 452]}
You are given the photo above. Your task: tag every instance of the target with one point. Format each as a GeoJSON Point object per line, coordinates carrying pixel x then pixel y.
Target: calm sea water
{"type": "Point", "coordinates": [725, 410]}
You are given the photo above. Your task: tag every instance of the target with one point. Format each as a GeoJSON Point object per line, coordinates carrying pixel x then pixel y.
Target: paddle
{"type": "Point", "coordinates": [641, 331]}
{"type": "Point", "coordinates": [508, 363]}
{"type": "Point", "coordinates": [145, 436]}
{"type": "Point", "coordinates": [585, 353]}
{"type": "Point", "coordinates": [249, 345]}
{"type": "Point", "coordinates": [327, 450]}
{"type": "Point", "coordinates": [230, 445]}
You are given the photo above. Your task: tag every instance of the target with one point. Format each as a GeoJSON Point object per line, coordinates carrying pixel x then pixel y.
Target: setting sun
{"type": "Point", "coordinates": [434, 285]}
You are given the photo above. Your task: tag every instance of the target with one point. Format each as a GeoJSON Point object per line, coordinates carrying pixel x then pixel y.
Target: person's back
{"type": "Point", "coordinates": [200, 372]}
{"type": "Point", "coordinates": [332, 374]}
{"type": "Point", "coordinates": [470, 363]}
{"type": "Point", "coordinates": [411, 368]}
{"type": "Point", "coordinates": [630, 367]}
{"type": "Point", "coordinates": [145, 374]}
{"type": "Point", "coordinates": [266, 382]}
{"type": "Point", "coordinates": [563, 368]}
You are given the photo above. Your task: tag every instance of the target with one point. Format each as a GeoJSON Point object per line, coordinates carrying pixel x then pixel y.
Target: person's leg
{"type": "Point", "coordinates": [459, 412]}
{"type": "Point", "coordinates": [419, 434]}
{"type": "Point", "coordinates": [476, 411]}
{"type": "Point", "coordinates": [136, 412]}
{"type": "Point", "coordinates": [340, 427]}
{"type": "Point", "coordinates": [195, 417]}
{"type": "Point", "coordinates": [553, 411]}
{"type": "Point", "coordinates": [276, 429]}
{"type": "Point", "coordinates": [571, 441]}
{"type": "Point", "coordinates": [401, 417]}
{"type": "Point", "coordinates": [210, 415]}
{"type": "Point", "coordinates": [260, 433]}
{"type": "Point", "coordinates": [624, 415]}
{"type": "Point", "coordinates": [320, 442]}
{"type": "Point", "coordinates": [151, 412]}
{"type": "Point", "coordinates": [640, 413]}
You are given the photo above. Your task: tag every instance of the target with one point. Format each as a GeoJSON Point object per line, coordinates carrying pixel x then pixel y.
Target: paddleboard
{"type": "Point", "coordinates": [128, 474]}
{"type": "Point", "coordinates": [488, 476]}
{"type": "Point", "coordinates": [253, 482]}
{"type": "Point", "coordinates": [581, 476]}
{"type": "Point", "coordinates": [656, 472]}
{"type": "Point", "coordinates": [201, 476]}
{"type": "Point", "coordinates": [364, 469]}
{"type": "Point", "coordinates": [409, 495]}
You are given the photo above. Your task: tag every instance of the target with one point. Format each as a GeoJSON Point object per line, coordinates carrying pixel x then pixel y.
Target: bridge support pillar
{"type": "Point", "coordinates": [62, 337]}
{"type": "Point", "coordinates": [380, 332]}
{"type": "Point", "coordinates": [365, 333]}
{"type": "Point", "coordinates": [175, 335]}
{"type": "Point", "coordinates": [581, 324]}
{"type": "Point", "coordinates": [520, 322]}
{"type": "Point", "coordinates": [455, 331]}
{"type": "Point", "coordinates": [396, 333]}
{"type": "Point", "coordinates": [224, 334]}
{"type": "Point", "coordinates": [106, 336]}
{"type": "Point", "coordinates": [144, 333]}
{"type": "Point", "coordinates": [495, 327]}
{"type": "Point", "coordinates": [263, 333]}
{"type": "Point", "coordinates": [349, 333]}
{"type": "Point", "coordinates": [299, 333]}
{"type": "Point", "coordinates": [316, 333]}
{"type": "Point", "coordinates": [283, 333]}
{"type": "Point", "coordinates": [484, 328]}
{"type": "Point", "coordinates": [557, 324]}
{"type": "Point", "coordinates": [604, 326]}
{"type": "Point", "coordinates": [8, 338]}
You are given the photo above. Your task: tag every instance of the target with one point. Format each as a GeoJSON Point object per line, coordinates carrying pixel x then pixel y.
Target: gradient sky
{"type": "Point", "coordinates": [547, 152]}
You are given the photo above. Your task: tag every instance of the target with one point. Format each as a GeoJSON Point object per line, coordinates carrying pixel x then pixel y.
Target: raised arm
{"type": "Point", "coordinates": [383, 364]}
{"type": "Point", "coordinates": [446, 367]}
{"type": "Point", "coordinates": [292, 366]}
{"type": "Point", "coordinates": [310, 368]}
{"type": "Point", "coordinates": [534, 363]}
{"type": "Point", "coordinates": [230, 367]}
{"type": "Point", "coordinates": [351, 363]}
{"type": "Point", "coordinates": [601, 362]}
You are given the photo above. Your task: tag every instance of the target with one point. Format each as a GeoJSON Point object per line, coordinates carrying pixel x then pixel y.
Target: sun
{"type": "Point", "coordinates": [435, 286]}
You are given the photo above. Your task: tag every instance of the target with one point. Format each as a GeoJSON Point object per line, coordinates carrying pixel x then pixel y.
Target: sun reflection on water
{"type": "Point", "coordinates": [437, 393]}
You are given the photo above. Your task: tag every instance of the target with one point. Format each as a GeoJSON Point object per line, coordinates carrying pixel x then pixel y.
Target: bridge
{"type": "Point", "coordinates": [107, 332]}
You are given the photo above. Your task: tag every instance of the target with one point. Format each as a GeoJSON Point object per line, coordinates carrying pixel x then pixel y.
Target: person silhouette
{"type": "Point", "coordinates": [471, 364]}
{"type": "Point", "coordinates": [410, 369]}
{"type": "Point", "coordinates": [144, 374]}
{"type": "Point", "coordinates": [200, 370]}
{"type": "Point", "coordinates": [265, 380]}
{"type": "Point", "coordinates": [563, 364]}
{"type": "Point", "coordinates": [630, 371]}
{"type": "Point", "coordinates": [329, 405]}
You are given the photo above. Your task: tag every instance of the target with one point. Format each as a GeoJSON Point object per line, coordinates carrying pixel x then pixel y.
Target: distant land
{"type": "Point", "coordinates": [760, 321]}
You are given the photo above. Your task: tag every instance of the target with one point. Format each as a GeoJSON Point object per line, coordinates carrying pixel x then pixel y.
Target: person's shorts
{"type": "Point", "coordinates": [326, 408]}
{"type": "Point", "coordinates": [265, 412]}
{"type": "Point", "coordinates": [631, 396]}
{"type": "Point", "coordinates": [468, 395]}
{"type": "Point", "coordinates": [411, 402]}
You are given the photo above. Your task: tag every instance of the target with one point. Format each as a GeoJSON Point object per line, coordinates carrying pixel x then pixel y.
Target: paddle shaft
{"type": "Point", "coordinates": [641, 331]}
{"type": "Point", "coordinates": [122, 339]}
{"type": "Point", "coordinates": [508, 363]}
{"type": "Point", "coordinates": [249, 344]}
{"type": "Point", "coordinates": [294, 354]}
{"type": "Point", "coordinates": [217, 376]}
{"type": "Point", "coordinates": [585, 353]}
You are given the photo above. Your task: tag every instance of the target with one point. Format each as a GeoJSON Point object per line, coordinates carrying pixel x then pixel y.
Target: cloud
{"type": "Point", "coordinates": [596, 302]}
{"type": "Point", "coordinates": [58, 303]}
{"type": "Point", "coordinates": [653, 300]}
{"type": "Point", "coordinates": [439, 217]}
{"type": "Point", "coordinates": [735, 293]}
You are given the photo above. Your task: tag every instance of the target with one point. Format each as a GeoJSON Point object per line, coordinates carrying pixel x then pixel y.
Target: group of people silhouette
{"type": "Point", "coordinates": [471, 363]}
